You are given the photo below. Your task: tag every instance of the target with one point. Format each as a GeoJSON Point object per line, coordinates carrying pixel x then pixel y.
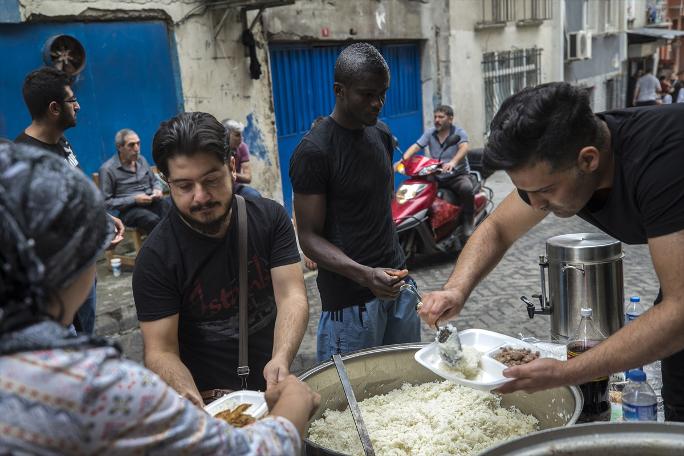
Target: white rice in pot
{"type": "Point", "coordinates": [439, 418]}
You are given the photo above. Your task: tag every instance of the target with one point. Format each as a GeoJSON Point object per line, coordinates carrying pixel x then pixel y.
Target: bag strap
{"type": "Point", "coordinates": [243, 348]}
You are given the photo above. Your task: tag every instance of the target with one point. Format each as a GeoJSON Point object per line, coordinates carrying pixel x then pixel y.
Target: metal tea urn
{"type": "Point", "coordinates": [584, 270]}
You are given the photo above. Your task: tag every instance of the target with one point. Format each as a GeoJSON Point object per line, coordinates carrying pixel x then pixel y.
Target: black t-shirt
{"type": "Point", "coordinates": [646, 199]}
{"type": "Point", "coordinates": [353, 168]}
{"type": "Point", "coordinates": [62, 148]}
{"type": "Point", "coordinates": [180, 271]}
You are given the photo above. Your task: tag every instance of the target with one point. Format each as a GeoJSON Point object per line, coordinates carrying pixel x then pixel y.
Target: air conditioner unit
{"type": "Point", "coordinates": [579, 45]}
{"type": "Point", "coordinates": [585, 45]}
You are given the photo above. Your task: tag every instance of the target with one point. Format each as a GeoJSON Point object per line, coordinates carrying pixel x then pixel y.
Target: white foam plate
{"type": "Point", "coordinates": [258, 409]}
{"type": "Point", "coordinates": [487, 343]}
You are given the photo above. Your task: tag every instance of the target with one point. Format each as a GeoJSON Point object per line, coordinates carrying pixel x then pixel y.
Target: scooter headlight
{"type": "Point", "coordinates": [428, 170]}
{"type": "Point", "coordinates": [407, 192]}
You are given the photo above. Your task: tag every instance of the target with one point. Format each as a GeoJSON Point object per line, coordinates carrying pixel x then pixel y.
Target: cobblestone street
{"type": "Point", "coordinates": [494, 305]}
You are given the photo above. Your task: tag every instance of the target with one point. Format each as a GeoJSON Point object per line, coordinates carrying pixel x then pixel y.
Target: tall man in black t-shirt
{"type": "Point", "coordinates": [342, 177]}
{"type": "Point", "coordinates": [185, 282]}
{"type": "Point", "coordinates": [53, 107]}
{"type": "Point", "coordinates": [622, 172]}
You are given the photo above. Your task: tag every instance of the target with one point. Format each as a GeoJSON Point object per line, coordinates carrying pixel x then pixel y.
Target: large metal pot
{"type": "Point", "coordinates": [598, 439]}
{"type": "Point", "coordinates": [382, 369]}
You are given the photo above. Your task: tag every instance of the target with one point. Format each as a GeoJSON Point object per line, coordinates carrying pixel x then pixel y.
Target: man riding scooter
{"type": "Point", "coordinates": [456, 170]}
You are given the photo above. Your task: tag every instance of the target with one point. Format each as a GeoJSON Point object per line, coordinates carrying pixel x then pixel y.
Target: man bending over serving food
{"type": "Point", "coordinates": [619, 170]}
{"type": "Point", "coordinates": [185, 282]}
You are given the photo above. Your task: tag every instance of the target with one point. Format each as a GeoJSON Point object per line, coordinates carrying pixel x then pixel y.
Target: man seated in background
{"type": "Point", "coordinates": [129, 185]}
{"type": "Point", "coordinates": [239, 149]}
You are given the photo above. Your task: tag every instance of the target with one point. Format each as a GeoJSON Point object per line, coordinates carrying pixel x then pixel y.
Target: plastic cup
{"type": "Point", "coordinates": [116, 267]}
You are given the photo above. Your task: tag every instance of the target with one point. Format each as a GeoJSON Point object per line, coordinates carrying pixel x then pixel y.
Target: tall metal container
{"type": "Point", "coordinates": [584, 270]}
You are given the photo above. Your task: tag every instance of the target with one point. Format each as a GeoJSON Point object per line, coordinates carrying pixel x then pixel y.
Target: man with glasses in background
{"type": "Point", "coordinates": [186, 278]}
{"type": "Point", "coordinates": [53, 107]}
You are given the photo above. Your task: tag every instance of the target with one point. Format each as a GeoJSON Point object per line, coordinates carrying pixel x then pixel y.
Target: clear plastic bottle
{"type": "Point", "coordinates": [632, 312]}
{"type": "Point", "coordinates": [634, 309]}
{"type": "Point", "coordinates": [639, 401]}
{"type": "Point", "coordinates": [655, 379]}
{"type": "Point", "coordinates": [587, 335]}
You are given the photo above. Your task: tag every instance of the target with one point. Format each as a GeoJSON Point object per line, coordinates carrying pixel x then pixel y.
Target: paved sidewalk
{"type": "Point", "coordinates": [494, 305]}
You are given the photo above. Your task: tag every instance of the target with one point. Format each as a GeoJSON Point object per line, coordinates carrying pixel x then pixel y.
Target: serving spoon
{"type": "Point", "coordinates": [447, 339]}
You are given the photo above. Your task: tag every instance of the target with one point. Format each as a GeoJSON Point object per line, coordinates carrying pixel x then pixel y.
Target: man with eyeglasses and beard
{"type": "Point", "coordinates": [53, 107]}
{"type": "Point", "coordinates": [186, 278]}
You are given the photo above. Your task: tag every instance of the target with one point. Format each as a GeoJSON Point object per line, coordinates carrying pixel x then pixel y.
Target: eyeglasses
{"type": "Point", "coordinates": [71, 100]}
{"type": "Point", "coordinates": [209, 183]}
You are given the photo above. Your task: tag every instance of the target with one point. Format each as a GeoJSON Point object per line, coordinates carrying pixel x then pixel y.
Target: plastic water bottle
{"type": "Point", "coordinates": [634, 309]}
{"type": "Point", "coordinates": [655, 379]}
{"type": "Point", "coordinates": [639, 401]}
{"type": "Point", "coordinates": [632, 312]}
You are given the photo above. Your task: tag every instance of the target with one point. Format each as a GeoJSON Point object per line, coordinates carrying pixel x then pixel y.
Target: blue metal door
{"type": "Point", "coordinates": [303, 90]}
{"type": "Point", "coordinates": [130, 80]}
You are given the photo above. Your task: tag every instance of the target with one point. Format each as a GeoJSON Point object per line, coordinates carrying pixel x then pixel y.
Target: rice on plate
{"type": "Point", "coordinates": [468, 366]}
{"type": "Point", "coordinates": [437, 418]}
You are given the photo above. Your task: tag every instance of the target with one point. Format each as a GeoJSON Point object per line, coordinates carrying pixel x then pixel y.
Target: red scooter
{"type": "Point", "coordinates": [427, 216]}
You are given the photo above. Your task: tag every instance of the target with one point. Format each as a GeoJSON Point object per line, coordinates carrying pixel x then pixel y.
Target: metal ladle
{"type": "Point", "coordinates": [353, 406]}
{"type": "Point", "coordinates": [447, 339]}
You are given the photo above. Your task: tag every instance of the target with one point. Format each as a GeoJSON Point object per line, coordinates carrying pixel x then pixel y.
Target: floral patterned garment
{"type": "Point", "coordinates": [90, 401]}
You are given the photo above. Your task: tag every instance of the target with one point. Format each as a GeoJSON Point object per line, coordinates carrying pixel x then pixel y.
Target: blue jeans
{"type": "Point", "coordinates": [377, 322]}
{"type": "Point", "coordinates": [86, 313]}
